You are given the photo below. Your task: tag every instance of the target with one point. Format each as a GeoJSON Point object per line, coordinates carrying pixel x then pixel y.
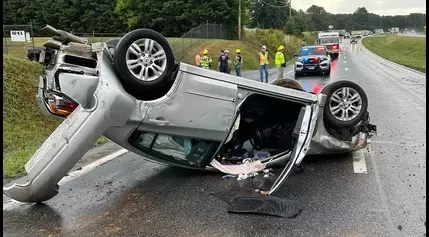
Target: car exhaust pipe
{"type": "Point", "coordinates": [63, 36]}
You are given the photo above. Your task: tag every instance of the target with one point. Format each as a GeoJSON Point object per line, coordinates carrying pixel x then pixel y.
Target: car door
{"type": "Point", "coordinates": [188, 125]}
{"type": "Point", "coordinates": [198, 107]}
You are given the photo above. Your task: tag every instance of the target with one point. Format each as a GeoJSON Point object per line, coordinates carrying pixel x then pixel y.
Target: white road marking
{"type": "Point", "coordinates": [91, 166]}
{"type": "Point", "coordinates": [346, 69]}
{"type": "Point", "coordinates": [72, 175]}
{"type": "Point", "coordinates": [359, 164]}
{"type": "Point", "coordinates": [382, 193]}
{"type": "Point", "coordinates": [345, 61]}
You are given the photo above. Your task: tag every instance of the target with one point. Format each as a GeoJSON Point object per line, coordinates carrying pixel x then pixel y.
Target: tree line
{"type": "Point", "coordinates": [176, 17]}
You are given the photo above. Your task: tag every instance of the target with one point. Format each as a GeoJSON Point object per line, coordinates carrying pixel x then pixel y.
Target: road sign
{"type": "Point", "coordinates": [17, 35]}
{"type": "Point", "coordinates": [331, 27]}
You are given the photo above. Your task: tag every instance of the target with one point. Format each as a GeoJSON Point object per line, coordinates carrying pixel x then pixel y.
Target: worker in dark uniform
{"type": "Point", "coordinates": [223, 63]}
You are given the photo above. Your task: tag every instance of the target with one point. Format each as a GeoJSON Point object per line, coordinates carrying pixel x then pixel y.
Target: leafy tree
{"type": "Point", "coordinates": [268, 14]}
{"type": "Point", "coordinates": [297, 24]}
{"type": "Point", "coordinates": [319, 16]}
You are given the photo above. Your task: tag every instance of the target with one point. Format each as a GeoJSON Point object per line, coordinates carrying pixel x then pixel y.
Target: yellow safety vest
{"type": "Point", "coordinates": [205, 61]}
{"type": "Point", "coordinates": [263, 58]}
{"type": "Point", "coordinates": [280, 59]}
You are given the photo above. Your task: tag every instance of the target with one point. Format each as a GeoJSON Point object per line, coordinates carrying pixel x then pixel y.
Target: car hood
{"type": "Point", "coordinates": [303, 58]}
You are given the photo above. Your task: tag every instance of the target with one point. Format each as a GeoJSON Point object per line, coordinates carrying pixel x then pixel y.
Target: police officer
{"type": "Point", "coordinates": [264, 60]}
{"type": "Point", "coordinates": [206, 60]}
{"type": "Point", "coordinates": [280, 61]}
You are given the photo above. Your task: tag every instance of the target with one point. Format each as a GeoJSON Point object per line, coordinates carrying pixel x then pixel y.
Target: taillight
{"type": "Point", "coordinates": [60, 105]}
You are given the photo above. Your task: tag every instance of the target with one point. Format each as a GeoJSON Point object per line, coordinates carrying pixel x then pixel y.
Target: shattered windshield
{"type": "Point", "coordinates": [330, 40]}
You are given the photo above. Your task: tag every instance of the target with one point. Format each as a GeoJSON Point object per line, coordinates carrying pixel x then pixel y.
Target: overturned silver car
{"type": "Point", "coordinates": [132, 91]}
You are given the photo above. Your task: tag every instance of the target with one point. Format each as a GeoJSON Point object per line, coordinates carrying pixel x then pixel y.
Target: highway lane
{"type": "Point", "coordinates": [129, 196]}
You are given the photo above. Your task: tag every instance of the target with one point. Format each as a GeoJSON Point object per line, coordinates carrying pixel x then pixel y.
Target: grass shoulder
{"type": "Point", "coordinates": [405, 50]}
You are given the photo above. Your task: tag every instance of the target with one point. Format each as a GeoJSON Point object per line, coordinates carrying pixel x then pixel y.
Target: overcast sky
{"type": "Point", "coordinates": [381, 7]}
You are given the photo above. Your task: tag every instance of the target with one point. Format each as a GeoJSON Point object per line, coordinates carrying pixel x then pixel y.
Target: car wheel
{"type": "Point", "coordinates": [346, 104]}
{"type": "Point", "coordinates": [328, 72]}
{"type": "Point", "coordinates": [297, 75]}
{"type": "Point", "coordinates": [144, 62]}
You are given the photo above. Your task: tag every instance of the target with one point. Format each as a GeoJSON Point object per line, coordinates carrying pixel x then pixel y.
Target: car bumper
{"type": "Point", "coordinates": [312, 68]}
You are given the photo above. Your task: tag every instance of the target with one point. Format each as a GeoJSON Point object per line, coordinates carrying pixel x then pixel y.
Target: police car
{"type": "Point", "coordinates": [312, 59]}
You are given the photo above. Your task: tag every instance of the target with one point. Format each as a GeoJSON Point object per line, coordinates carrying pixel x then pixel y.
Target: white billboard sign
{"type": "Point", "coordinates": [27, 36]}
{"type": "Point", "coordinates": [17, 35]}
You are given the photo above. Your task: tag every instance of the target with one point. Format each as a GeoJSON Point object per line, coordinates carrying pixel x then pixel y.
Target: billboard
{"type": "Point", "coordinates": [17, 35]}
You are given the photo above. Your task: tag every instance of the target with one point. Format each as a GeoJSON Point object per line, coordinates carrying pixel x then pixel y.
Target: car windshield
{"type": "Point", "coordinates": [330, 40]}
{"type": "Point", "coordinates": [312, 51]}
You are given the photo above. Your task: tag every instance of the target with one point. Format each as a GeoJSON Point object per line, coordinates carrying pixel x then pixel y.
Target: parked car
{"type": "Point", "coordinates": [132, 91]}
{"type": "Point", "coordinates": [312, 59]}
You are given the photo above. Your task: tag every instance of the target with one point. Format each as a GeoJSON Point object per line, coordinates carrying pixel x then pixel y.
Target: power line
{"type": "Point", "coordinates": [278, 6]}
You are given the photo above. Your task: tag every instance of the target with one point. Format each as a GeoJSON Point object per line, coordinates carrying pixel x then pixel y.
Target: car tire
{"type": "Point", "coordinates": [359, 104]}
{"type": "Point", "coordinates": [328, 72]}
{"type": "Point", "coordinates": [146, 54]}
{"type": "Point", "coordinates": [297, 75]}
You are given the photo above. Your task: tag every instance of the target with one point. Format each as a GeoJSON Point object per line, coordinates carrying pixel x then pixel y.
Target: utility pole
{"type": "Point", "coordinates": [290, 9]}
{"type": "Point", "coordinates": [239, 19]}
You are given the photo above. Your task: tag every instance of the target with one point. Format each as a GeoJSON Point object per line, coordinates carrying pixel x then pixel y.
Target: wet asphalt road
{"type": "Point", "coordinates": [130, 196]}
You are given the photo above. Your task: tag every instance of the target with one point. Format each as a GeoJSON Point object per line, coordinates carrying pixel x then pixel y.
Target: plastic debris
{"type": "Point", "coordinates": [266, 171]}
{"type": "Point", "coordinates": [261, 154]}
{"type": "Point", "coordinates": [242, 177]}
{"type": "Point", "coordinates": [228, 176]}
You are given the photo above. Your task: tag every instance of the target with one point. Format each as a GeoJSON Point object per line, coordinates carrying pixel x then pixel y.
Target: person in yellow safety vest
{"type": "Point", "coordinates": [264, 60]}
{"type": "Point", "coordinates": [238, 62]}
{"type": "Point", "coordinates": [206, 60]}
{"type": "Point", "coordinates": [280, 61]}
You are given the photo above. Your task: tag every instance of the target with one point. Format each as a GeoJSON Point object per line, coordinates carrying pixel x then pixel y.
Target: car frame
{"type": "Point", "coordinates": [96, 90]}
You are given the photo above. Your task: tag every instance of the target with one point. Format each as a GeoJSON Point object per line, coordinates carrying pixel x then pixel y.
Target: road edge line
{"type": "Point", "coordinates": [89, 167]}
{"type": "Point", "coordinates": [387, 62]}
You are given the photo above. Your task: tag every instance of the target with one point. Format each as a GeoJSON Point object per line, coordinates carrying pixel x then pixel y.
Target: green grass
{"type": "Point", "coordinates": [404, 50]}
{"type": "Point", "coordinates": [24, 127]}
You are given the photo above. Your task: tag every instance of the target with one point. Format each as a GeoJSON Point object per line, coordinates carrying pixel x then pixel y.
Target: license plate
{"type": "Point", "coordinates": [311, 68]}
